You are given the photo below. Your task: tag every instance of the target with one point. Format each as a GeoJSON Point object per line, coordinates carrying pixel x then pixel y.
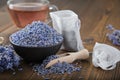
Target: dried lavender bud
{"type": "Point", "coordinates": [114, 36]}
{"type": "Point", "coordinates": [110, 27]}
{"type": "Point", "coordinates": [14, 73]}
{"type": "Point", "coordinates": [20, 69]}
{"type": "Point", "coordinates": [8, 58]}
{"type": "Point", "coordinates": [58, 68]}
{"type": "Point", "coordinates": [36, 34]}
{"type": "Point", "coordinates": [47, 79]}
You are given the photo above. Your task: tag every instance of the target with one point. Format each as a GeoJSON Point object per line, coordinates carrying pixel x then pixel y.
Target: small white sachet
{"type": "Point", "coordinates": [67, 23]}
{"type": "Point", "coordinates": [105, 56]}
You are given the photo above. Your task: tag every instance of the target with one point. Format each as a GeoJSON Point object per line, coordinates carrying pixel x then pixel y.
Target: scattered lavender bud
{"type": "Point", "coordinates": [36, 34]}
{"type": "Point", "coordinates": [114, 36]}
{"type": "Point", "coordinates": [8, 58]}
{"type": "Point", "coordinates": [58, 68]}
{"type": "Point", "coordinates": [47, 79]}
{"type": "Point", "coordinates": [110, 27]}
{"type": "Point", "coordinates": [20, 69]}
{"type": "Point", "coordinates": [1, 69]}
{"type": "Point", "coordinates": [14, 73]}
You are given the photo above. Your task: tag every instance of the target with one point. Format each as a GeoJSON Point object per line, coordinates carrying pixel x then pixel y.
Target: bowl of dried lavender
{"type": "Point", "coordinates": [36, 41]}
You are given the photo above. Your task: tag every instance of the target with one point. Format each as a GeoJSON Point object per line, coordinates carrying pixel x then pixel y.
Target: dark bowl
{"type": "Point", "coordinates": [35, 54]}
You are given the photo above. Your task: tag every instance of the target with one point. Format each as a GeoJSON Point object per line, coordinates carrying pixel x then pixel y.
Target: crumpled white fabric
{"type": "Point", "coordinates": [105, 56]}
{"type": "Point", "coordinates": [67, 23]}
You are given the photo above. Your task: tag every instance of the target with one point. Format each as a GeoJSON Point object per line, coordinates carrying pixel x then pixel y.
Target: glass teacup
{"type": "Point", "coordinates": [23, 12]}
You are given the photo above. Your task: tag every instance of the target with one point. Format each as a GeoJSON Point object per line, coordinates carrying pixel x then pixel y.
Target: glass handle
{"type": "Point", "coordinates": [53, 8]}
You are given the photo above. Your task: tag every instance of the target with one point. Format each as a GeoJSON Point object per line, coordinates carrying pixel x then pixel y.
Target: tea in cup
{"type": "Point", "coordinates": [23, 12]}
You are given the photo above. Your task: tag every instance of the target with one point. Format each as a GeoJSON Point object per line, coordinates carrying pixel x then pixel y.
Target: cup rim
{"type": "Point", "coordinates": [27, 6]}
{"type": "Point", "coordinates": [41, 1]}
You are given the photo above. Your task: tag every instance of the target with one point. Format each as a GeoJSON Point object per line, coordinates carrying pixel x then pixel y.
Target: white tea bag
{"type": "Point", "coordinates": [67, 23]}
{"type": "Point", "coordinates": [105, 56]}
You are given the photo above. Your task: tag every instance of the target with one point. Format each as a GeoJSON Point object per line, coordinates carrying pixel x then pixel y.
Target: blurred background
{"type": "Point", "coordinates": [2, 3]}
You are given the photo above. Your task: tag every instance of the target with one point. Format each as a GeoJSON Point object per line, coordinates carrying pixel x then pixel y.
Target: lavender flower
{"type": "Point", "coordinates": [110, 27]}
{"type": "Point", "coordinates": [58, 68]}
{"type": "Point", "coordinates": [36, 34]}
{"type": "Point", "coordinates": [114, 36]}
{"type": "Point", "coordinates": [8, 58]}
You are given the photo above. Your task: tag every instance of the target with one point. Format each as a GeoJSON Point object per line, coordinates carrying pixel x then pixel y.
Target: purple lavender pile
{"type": "Point", "coordinates": [58, 68]}
{"type": "Point", "coordinates": [8, 58]}
{"type": "Point", "coordinates": [37, 34]}
{"type": "Point", "coordinates": [113, 35]}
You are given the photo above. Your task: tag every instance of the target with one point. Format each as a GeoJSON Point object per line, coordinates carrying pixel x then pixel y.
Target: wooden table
{"type": "Point", "coordinates": [94, 15]}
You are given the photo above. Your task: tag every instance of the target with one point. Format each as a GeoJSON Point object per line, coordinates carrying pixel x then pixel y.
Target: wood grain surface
{"type": "Point", "coordinates": [94, 15]}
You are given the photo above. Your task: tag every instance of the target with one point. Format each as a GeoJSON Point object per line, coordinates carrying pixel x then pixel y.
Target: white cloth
{"type": "Point", "coordinates": [105, 56]}
{"type": "Point", "coordinates": [67, 23]}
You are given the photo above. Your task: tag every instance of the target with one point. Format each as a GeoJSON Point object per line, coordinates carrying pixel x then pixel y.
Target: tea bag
{"type": "Point", "coordinates": [105, 56]}
{"type": "Point", "coordinates": [67, 23]}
